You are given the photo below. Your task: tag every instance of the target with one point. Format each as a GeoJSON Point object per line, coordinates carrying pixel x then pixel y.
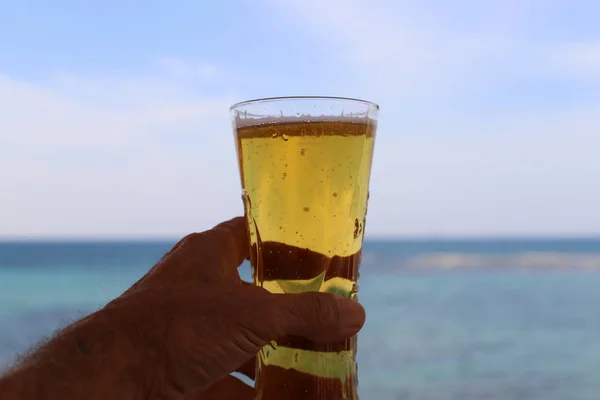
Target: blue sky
{"type": "Point", "coordinates": [114, 115]}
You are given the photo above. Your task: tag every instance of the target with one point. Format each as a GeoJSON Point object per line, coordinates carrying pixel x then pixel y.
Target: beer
{"type": "Point", "coordinates": [305, 189]}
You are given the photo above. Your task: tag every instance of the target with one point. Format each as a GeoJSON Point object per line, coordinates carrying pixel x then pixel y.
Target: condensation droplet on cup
{"type": "Point", "coordinates": [302, 152]}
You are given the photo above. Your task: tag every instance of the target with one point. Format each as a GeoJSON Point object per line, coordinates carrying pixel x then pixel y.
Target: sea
{"type": "Point", "coordinates": [446, 319]}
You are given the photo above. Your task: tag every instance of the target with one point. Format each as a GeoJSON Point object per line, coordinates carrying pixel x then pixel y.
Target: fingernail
{"type": "Point", "coordinates": [352, 316]}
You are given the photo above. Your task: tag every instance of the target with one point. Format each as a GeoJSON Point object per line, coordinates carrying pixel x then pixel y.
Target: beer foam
{"type": "Point", "coordinates": [243, 120]}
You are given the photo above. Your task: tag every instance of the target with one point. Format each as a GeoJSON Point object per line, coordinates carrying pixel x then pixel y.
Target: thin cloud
{"type": "Point", "coordinates": [72, 165]}
{"type": "Point", "coordinates": [182, 69]}
{"type": "Point", "coordinates": [423, 47]}
{"type": "Point", "coordinates": [580, 59]}
{"type": "Point", "coordinates": [150, 154]}
{"type": "Point", "coordinates": [85, 112]}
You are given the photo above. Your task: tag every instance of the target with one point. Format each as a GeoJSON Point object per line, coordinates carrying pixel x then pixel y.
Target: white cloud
{"type": "Point", "coordinates": [423, 49]}
{"type": "Point", "coordinates": [149, 155]}
{"type": "Point", "coordinates": [71, 165]}
{"type": "Point", "coordinates": [580, 60]}
{"type": "Point", "coordinates": [514, 174]}
{"type": "Point", "coordinates": [74, 161]}
{"type": "Point", "coordinates": [182, 69]}
{"type": "Point", "coordinates": [361, 33]}
{"type": "Point", "coordinates": [586, 55]}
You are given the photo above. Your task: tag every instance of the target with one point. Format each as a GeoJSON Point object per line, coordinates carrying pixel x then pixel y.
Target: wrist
{"type": "Point", "coordinates": [94, 358]}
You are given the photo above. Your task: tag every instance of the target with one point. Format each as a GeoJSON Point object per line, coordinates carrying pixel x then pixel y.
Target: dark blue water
{"type": "Point", "coordinates": [468, 320]}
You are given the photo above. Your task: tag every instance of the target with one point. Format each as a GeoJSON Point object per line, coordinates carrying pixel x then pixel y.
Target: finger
{"type": "Point", "coordinates": [249, 369]}
{"type": "Point", "coordinates": [229, 388]}
{"type": "Point", "coordinates": [232, 235]}
{"type": "Point", "coordinates": [154, 268]}
{"type": "Point", "coordinates": [216, 252]}
{"type": "Point", "coordinates": [321, 317]}
{"type": "Point", "coordinates": [174, 248]}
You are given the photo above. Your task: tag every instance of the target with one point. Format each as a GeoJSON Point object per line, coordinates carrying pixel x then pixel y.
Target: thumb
{"type": "Point", "coordinates": [321, 317]}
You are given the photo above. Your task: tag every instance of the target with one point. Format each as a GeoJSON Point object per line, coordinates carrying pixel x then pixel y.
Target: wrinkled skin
{"type": "Point", "coordinates": [211, 323]}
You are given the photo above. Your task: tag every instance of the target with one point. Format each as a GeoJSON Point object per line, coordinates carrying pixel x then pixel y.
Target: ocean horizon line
{"type": "Point", "coordinates": [368, 238]}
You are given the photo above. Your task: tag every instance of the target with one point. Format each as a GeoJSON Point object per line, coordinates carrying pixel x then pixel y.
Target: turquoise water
{"type": "Point", "coordinates": [466, 320]}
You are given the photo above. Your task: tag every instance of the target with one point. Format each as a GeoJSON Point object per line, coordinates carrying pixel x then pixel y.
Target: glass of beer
{"type": "Point", "coordinates": [305, 164]}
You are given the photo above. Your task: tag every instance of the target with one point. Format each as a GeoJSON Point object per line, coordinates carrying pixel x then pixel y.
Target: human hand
{"type": "Point", "coordinates": [195, 321]}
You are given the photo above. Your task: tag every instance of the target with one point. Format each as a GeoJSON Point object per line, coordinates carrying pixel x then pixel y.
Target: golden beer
{"type": "Point", "coordinates": [305, 186]}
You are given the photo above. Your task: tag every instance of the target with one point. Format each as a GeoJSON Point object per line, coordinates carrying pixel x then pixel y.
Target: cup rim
{"type": "Point", "coordinates": [279, 98]}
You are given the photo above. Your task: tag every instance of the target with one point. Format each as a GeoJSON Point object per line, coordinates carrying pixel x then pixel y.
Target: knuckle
{"type": "Point", "coordinates": [325, 309]}
{"type": "Point", "coordinates": [205, 244]}
{"type": "Point", "coordinates": [194, 240]}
